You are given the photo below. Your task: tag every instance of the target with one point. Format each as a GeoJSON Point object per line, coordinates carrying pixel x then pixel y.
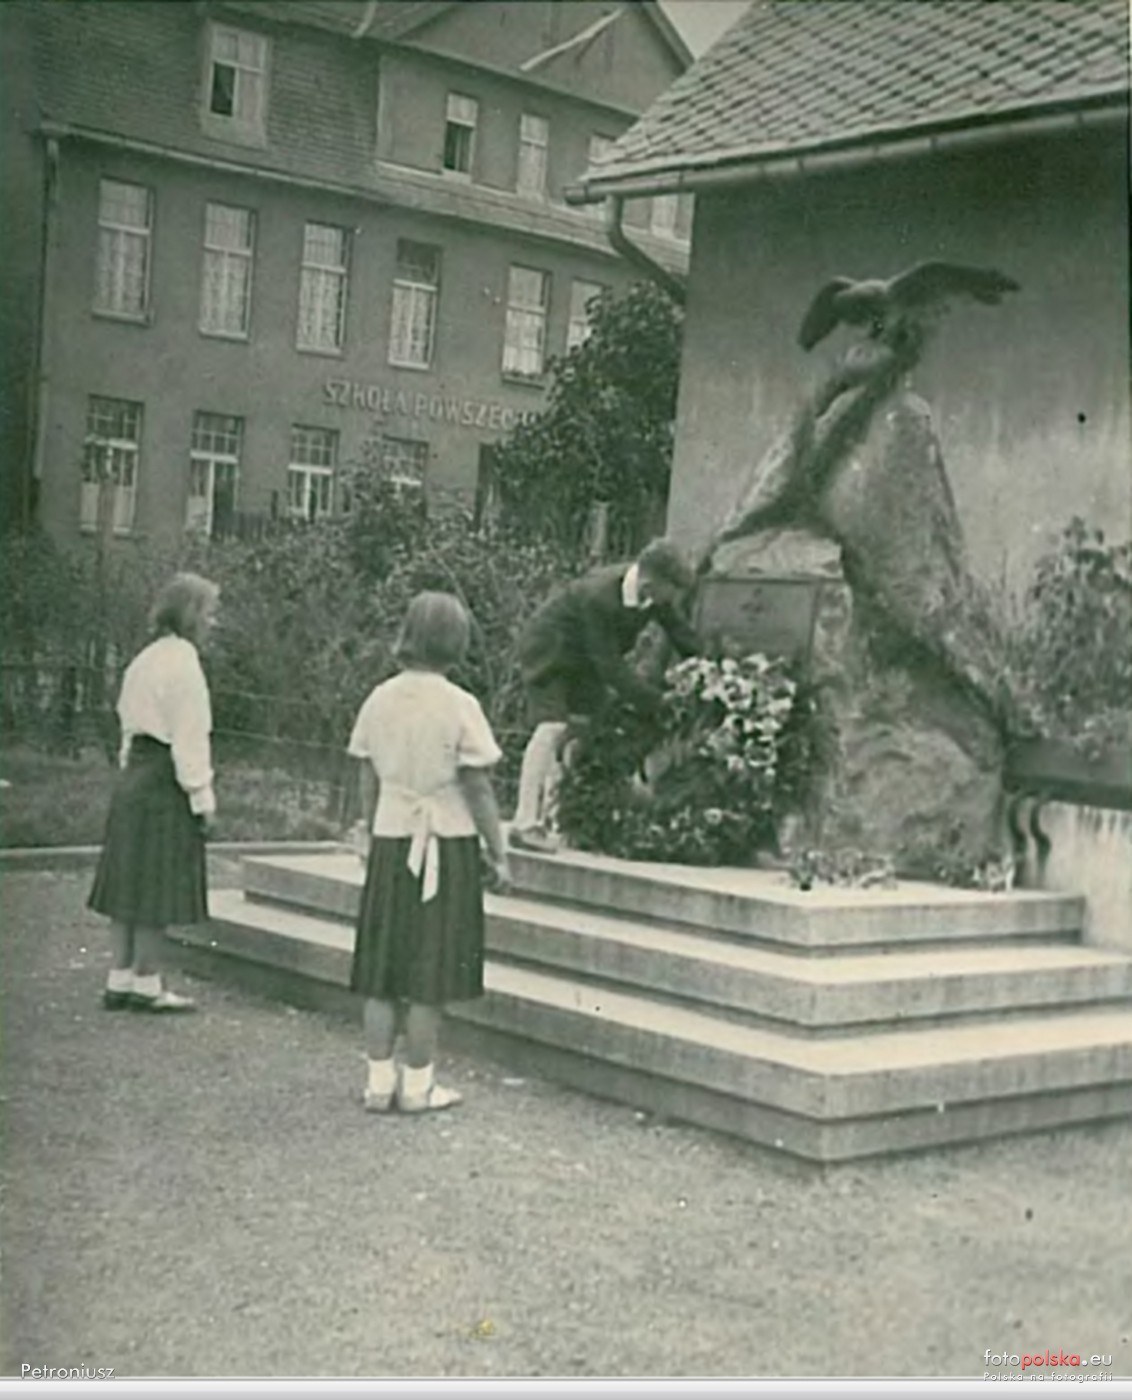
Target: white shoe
{"type": "Point", "coordinates": [418, 1092]}
{"type": "Point", "coordinates": [377, 1103]}
{"type": "Point", "coordinates": [164, 1001]}
{"type": "Point", "coordinates": [380, 1085]}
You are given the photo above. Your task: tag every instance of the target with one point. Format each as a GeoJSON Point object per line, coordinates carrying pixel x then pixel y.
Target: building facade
{"type": "Point", "coordinates": [284, 240]}
{"type": "Point", "coordinates": [857, 140]}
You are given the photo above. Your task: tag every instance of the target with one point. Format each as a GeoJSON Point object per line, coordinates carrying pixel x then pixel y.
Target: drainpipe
{"type": "Point", "coordinates": [43, 339]}
{"type": "Point", "coordinates": [614, 212]}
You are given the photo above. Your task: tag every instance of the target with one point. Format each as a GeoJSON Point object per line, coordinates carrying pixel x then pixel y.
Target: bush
{"type": "Point", "coordinates": [1071, 651]}
{"type": "Point", "coordinates": [700, 782]}
{"type": "Point", "coordinates": [309, 618]}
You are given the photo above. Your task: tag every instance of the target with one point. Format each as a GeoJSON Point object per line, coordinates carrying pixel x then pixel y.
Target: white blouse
{"type": "Point", "coordinates": [165, 695]}
{"type": "Point", "coordinates": [418, 730]}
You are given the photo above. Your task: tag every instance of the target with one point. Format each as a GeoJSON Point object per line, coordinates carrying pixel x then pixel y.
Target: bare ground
{"type": "Point", "coordinates": [204, 1197]}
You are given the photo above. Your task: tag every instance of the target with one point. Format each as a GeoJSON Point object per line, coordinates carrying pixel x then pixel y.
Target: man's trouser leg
{"type": "Point", "coordinates": [539, 774]}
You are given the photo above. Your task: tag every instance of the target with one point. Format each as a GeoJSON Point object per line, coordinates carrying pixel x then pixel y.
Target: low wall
{"type": "Point", "coordinates": [1090, 853]}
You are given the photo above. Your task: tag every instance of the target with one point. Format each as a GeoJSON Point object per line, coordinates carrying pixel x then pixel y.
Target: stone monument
{"type": "Point", "coordinates": [846, 551]}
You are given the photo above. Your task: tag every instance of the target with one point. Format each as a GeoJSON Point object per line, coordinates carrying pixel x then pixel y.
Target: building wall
{"type": "Point", "coordinates": [173, 369]}
{"type": "Point", "coordinates": [22, 222]}
{"type": "Point", "coordinates": [414, 89]}
{"type": "Point", "coordinates": [137, 68]}
{"type": "Point", "coordinates": [345, 114]}
{"type": "Point", "coordinates": [1031, 398]}
{"type": "Point", "coordinates": [627, 64]}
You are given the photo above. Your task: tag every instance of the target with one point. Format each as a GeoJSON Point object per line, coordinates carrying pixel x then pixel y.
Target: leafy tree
{"type": "Point", "coordinates": [606, 434]}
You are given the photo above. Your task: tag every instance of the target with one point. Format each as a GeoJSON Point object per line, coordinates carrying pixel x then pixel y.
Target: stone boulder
{"type": "Point", "coordinates": [901, 649]}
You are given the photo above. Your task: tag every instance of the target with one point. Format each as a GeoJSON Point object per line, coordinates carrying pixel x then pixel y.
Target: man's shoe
{"type": "Point", "coordinates": [116, 1001]}
{"type": "Point", "coordinates": [534, 839]}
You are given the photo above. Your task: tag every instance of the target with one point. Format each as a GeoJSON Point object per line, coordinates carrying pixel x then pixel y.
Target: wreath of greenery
{"type": "Point", "coordinates": [701, 779]}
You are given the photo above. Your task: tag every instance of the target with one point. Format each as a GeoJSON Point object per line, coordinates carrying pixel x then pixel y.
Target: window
{"type": "Point", "coordinates": [214, 464]}
{"type": "Point", "coordinates": [235, 99]}
{"type": "Point", "coordinates": [322, 288]}
{"type": "Point", "coordinates": [534, 136]}
{"type": "Point", "coordinates": [310, 473]}
{"type": "Point", "coordinates": [226, 282]}
{"type": "Point", "coordinates": [110, 461]}
{"type": "Point", "coordinates": [125, 217]}
{"type": "Point", "coordinates": [524, 337]}
{"type": "Point", "coordinates": [460, 134]}
{"type": "Point", "coordinates": [599, 149]}
{"type": "Point", "coordinates": [404, 460]}
{"type": "Point", "coordinates": [416, 289]}
{"type": "Point", "coordinates": [665, 208]}
{"type": "Point", "coordinates": [578, 327]}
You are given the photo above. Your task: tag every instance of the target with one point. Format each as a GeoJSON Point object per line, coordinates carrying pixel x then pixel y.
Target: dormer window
{"type": "Point", "coordinates": [460, 134]}
{"type": "Point", "coordinates": [235, 85]}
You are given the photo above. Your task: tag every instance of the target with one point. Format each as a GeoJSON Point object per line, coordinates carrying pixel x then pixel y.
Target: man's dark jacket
{"type": "Point", "coordinates": [573, 649]}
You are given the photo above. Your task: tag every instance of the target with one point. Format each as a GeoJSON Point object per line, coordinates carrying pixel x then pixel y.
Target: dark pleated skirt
{"type": "Point", "coordinates": [430, 953]}
{"type": "Point", "coordinates": [152, 867]}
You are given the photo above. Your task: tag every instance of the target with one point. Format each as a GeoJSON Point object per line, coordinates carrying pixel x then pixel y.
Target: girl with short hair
{"type": "Point", "coordinates": [151, 872]}
{"type": "Point", "coordinates": [426, 752]}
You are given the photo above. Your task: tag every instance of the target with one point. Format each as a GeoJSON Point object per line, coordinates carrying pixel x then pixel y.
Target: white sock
{"type": "Point", "coordinates": [149, 985]}
{"type": "Point", "coordinates": [120, 979]}
{"type": "Point", "coordinates": [540, 768]}
{"type": "Point", "coordinates": [382, 1076]}
{"type": "Point", "coordinates": [416, 1083]}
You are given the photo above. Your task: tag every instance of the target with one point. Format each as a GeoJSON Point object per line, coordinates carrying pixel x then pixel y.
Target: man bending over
{"type": "Point", "coordinates": [572, 659]}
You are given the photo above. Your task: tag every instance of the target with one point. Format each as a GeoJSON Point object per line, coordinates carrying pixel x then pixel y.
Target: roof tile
{"type": "Point", "coordinates": [794, 74]}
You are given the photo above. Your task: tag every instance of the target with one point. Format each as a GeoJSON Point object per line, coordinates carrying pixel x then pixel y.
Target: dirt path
{"type": "Point", "coordinates": [204, 1197]}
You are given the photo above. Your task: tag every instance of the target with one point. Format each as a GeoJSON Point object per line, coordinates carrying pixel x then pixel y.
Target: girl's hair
{"type": "Point", "coordinates": [435, 632]}
{"type": "Point", "coordinates": [180, 603]}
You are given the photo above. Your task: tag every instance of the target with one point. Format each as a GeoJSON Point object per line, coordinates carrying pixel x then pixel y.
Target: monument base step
{"type": "Point", "coordinates": [807, 1080]}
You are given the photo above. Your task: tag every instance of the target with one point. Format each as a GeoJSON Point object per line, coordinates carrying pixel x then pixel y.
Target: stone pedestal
{"type": "Point", "coordinates": [871, 596]}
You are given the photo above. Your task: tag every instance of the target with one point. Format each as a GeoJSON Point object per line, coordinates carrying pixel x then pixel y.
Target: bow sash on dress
{"type": "Point", "coordinates": [420, 812]}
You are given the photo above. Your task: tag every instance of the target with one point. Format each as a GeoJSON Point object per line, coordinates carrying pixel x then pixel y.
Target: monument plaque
{"type": "Point", "coordinates": [774, 616]}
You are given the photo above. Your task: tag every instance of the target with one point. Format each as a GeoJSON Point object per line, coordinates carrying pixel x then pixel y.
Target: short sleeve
{"type": "Point", "coordinates": [476, 747]}
{"type": "Point", "coordinates": [359, 745]}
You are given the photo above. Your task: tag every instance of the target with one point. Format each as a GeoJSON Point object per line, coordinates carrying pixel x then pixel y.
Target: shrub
{"type": "Point", "coordinates": [1071, 652]}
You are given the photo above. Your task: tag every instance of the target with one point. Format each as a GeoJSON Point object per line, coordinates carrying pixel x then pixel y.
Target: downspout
{"type": "Point", "coordinates": [43, 371]}
{"type": "Point", "coordinates": [621, 243]}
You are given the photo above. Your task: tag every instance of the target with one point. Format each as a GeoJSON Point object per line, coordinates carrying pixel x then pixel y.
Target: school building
{"type": "Point", "coordinates": [273, 238]}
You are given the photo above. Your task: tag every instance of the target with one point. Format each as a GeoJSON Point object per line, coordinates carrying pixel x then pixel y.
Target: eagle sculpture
{"type": "Point", "coordinates": [885, 307]}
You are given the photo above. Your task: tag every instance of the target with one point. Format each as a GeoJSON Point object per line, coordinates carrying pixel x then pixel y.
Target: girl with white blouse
{"type": "Point", "coordinates": [426, 752]}
{"type": "Point", "coordinates": [151, 873]}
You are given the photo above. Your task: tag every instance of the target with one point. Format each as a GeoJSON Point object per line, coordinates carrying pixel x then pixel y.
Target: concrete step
{"type": "Point", "coordinates": [849, 1076]}
{"type": "Point", "coordinates": [758, 906]}
{"type": "Point", "coordinates": [814, 994]}
{"type": "Point", "coordinates": [828, 1098]}
{"type": "Point", "coordinates": [826, 1142]}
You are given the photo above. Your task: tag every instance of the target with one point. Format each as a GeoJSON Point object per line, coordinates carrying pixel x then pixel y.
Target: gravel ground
{"type": "Point", "coordinates": [204, 1197]}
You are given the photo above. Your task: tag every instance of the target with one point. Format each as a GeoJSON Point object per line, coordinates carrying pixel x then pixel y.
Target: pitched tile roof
{"type": "Point", "coordinates": [378, 19]}
{"type": "Point", "coordinates": [797, 75]}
